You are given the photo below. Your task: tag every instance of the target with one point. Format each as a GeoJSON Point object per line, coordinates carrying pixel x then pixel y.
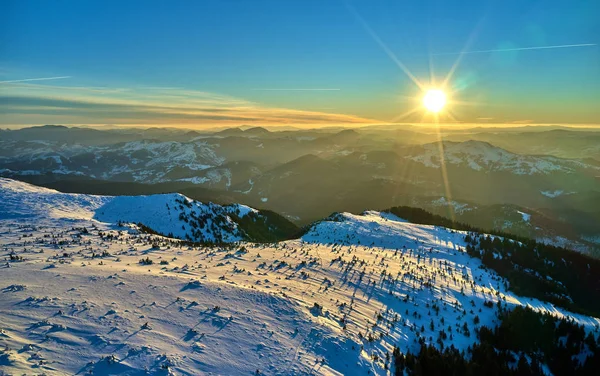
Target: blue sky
{"type": "Point", "coordinates": [204, 63]}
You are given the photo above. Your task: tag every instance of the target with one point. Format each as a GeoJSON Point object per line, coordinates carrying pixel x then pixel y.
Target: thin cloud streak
{"type": "Point", "coordinates": [85, 105]}
{"type": "Point", "coordinates": [517, 49]}
{"type": "Point", "coordinates": [35, 79]}
{"type": "Point", "coordinates": [296, 89]}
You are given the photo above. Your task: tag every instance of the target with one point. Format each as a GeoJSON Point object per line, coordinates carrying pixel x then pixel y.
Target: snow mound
{"type": "Point", "coordinates": [174, 215]}
{"type": "Point", "coordinates": [384, 230]}
{"type": "Point", "coordinates": [170, 214]}
{"type": "Point", "coordinates": [25, 201]}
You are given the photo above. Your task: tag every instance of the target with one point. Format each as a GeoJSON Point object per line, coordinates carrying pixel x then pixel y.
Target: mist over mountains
{"type": "Point", "coordinates": [541, 183]}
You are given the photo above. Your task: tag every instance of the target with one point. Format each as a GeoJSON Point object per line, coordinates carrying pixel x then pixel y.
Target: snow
{"type": "Point", "coordinates": [352, 287]}
{"type": "Point", "coordinates": [175, 152]}
{"type": "Point", "coordinates": [592, 239]}
{"type": "Point", "coordinates": [25, 201]}
{"type": "Point", "coordinates": [526, 217]}
{"type": "Point", "coordinates": [561, 241]}
{"type": "Point", "coordinates": [556, 193]}
{"type": "Point", "coordinates": [458, 207]}
{"type": "Point", "coordinates": [161, 212]}
{"type": "Point", "coordinates": [104, 309]}
{"type": "Point", "coordinates": [20, 172]}
{"type": "Point", "coordinates": [240, 210]}
{"type": "Point", "coordinates": [143, 161]}
{"type": "Point", "coordinates": [212, 177]}
{"type": "Point", "coordinates": [196, 180]}
{"type": "Point", "coordinates": [251, 184]}
{"type": "Point", "coordinates": [552, 194]}
{"type": "Point", "coordinates": [478, 155]}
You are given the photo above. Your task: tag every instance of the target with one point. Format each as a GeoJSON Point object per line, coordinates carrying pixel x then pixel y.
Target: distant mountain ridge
{"type": "Point", "coordinates": [483, 156]}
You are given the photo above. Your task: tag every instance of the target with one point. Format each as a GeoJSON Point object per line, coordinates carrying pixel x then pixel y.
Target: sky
{"type": "Point", "coordinates": [206, 63]}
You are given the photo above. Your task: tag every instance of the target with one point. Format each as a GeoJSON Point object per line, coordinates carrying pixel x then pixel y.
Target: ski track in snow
{"type": "Point", "coordinates": [79, 300]}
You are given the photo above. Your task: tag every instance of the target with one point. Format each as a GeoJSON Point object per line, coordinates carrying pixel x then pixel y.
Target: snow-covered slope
{"type": "Point", "coordinates": [27, 202]}
{"type": "Point", "coordinates": [175, 215]}
{"type": "Point", "coordinates": [333, 302]}
{"type": "Point", "coordinates": [479, 155]}
{"type": "Point", "coordinates": [172, 214]}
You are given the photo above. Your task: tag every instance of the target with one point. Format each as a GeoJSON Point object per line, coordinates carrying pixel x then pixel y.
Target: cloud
{"type": "Point", "coordinates": [518, 49]}
{"type": "Point", "coordinates": [27, 103]}
{"type": "Point", "coordinates": [526, 121]}
{"type": "Point", "coordinates": [34, 79]}
{"type": "Point", "coordinates": [296, 89]}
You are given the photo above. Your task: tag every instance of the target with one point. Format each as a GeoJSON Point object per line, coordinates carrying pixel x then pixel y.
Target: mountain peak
{"type": "Point", "coordinates": [256, 131]}
{"type": "Point", "coordinates": [47, 127]}
{"type": "Point", "coordinates": [230, 131]}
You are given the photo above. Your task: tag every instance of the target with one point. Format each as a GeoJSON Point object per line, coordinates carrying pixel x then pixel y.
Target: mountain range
{"type": "Point", "coordinates": [480, 176]}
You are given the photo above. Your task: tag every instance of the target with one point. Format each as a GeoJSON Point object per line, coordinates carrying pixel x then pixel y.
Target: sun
{"type": "Point", "coordinates": [434, 100]}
